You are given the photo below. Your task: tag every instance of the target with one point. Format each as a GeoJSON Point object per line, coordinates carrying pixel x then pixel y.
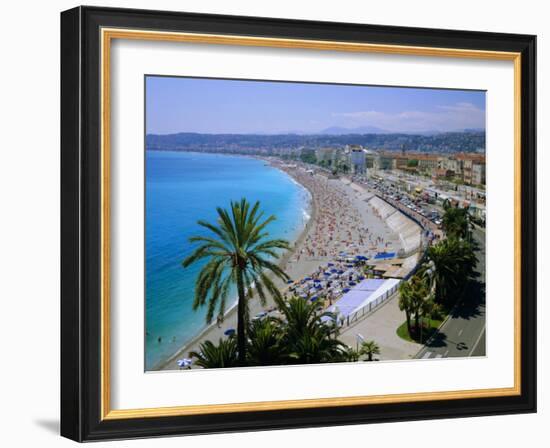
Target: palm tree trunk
{"type": "Point", "coordinates": [408, 322]}
{"type": "Point", "coordinates": [241, 324]}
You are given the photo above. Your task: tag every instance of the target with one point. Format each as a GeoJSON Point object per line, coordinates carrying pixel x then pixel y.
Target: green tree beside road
{"type": "Point", "coordinates": [441, 282]}
{"type": "Point", "coordinates": [455, 261]}
{"type": "Point", "coordinates": [456, 223]}
{"type": "Point", "coordinates": [418, 303]}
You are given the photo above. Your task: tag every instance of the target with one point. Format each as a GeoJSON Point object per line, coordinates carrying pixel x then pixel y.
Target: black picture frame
{"type": "Point", "coordinates": [81, 224]}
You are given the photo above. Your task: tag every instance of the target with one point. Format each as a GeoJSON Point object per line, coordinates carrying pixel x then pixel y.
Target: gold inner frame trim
{"type": "Point", "coordinates": [107, 35]}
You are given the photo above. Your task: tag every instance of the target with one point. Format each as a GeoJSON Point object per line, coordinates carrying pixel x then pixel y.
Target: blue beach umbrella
{"type": "Point", "coordinates": [289, 282]}
{"type": "Point", "coordinates": [184, 363]}
{"type": "Point", "coordinates": [313, 299]}
{"type": "Point", "coordinates": [330, 264]}
{"type": "Point", "coordinates": [229, 331]}
{"type": "Point", "coordinates": [345, 290]}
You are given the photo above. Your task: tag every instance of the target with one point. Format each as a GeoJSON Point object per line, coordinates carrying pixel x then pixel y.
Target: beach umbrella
{"type": "Point", "coordinates": [334, 270]}
{"type": "Point", "coordinates": [318, 286]}
{"type": "Point", "coordinates": [184, 363]}
{"type": "Point", "coordinates": [259, 316]}
{"type": "Point", "coordinates": [313, 299]}
{"type": "Point", "coordinates": [330, 264]}
{"type": "Point", "coordinates": [289, 282]}
{"type": "Point", "coordinates": [345, 290]}
{"type": "Point", "coordinates": [340, 272]}
{"type": "Point", "coordinates": [229, 332]}
{"type": "Point", "coordinates": [361, 277]}
{"type": "Point", "coordinates": [352, 283]}
{"type": "Point", "coordinates": [326, 274]}
{"type": "Point", "coordinates": [316, 280]}
{"type": "Point", "coordinates": [307, 279]}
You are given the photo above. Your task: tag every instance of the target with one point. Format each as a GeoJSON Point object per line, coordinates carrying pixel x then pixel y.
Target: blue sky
{"type": "Point", "coordinates": [234, 106]}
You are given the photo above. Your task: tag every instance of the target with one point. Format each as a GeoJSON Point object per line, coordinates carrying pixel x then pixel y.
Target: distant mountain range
{"type": "Point", "coordinates": [333, 131]}
{"type": "Point", "coordinates": [338, 130]}
{"type": "Point", "coordinates": [472, 141]}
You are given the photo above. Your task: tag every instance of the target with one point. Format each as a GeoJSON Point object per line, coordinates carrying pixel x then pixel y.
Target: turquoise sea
{"type": "Point", "coordinates": [182, 187]}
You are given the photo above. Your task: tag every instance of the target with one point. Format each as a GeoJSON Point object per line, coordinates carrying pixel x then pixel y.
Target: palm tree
{"type": "Point", "coordinates": [307, 332]}
{"type": "Point", "coordinates": [455, 263]}
{"type": "Point", "coordinates": [456, 222]}
{"type": "Point", "coordinates": [412, 295]}
{"type": "Point", "coordinates": [264, 343]}
{"type": "Point", "coordinates": [211, 356]}
{"type": "Point", "coordinates": [420, 294]}
{"type": "Point", "coordinates": [239, 253]}
{"type": "Point", "coordinates": [317, 347]}
{"type": "Point", "coordinates": [300, 316]}
{"type": "Point", "coordinates": [429, 310]}
{"type": "Point", "coordinates": [369, 348]}
{"type": "Point", "coordinates": [352, 355]}
{"type": "Point", "coordinates": [405, 301]}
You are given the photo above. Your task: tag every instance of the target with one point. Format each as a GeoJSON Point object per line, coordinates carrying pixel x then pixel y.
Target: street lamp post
{"type": "Point", "coordinates": [358, 337]}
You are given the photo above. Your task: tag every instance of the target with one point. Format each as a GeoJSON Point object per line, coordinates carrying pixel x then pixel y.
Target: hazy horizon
{"type": "Point", "coordinates": [315, 133]}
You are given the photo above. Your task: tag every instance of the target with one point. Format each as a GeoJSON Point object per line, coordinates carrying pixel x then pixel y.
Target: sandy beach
{"type": "Point", "coordinates": [341, 223]}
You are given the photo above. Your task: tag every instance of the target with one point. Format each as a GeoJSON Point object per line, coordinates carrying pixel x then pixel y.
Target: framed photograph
{"type": "Point", "coordinates": [276, 224]}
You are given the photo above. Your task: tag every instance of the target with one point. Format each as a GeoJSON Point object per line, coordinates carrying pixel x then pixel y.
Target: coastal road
{"type": "Point", "coordinates": [463, 333]}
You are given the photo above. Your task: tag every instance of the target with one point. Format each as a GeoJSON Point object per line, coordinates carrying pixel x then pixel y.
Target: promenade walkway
{"type": "Point", "coordinates": [381, 327]}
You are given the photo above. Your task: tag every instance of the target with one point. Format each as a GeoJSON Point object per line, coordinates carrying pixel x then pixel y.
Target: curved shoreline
{"type": "Point", "coordinates": [361, 229]}
{"type": "Point", "coordinates": [283, 261]}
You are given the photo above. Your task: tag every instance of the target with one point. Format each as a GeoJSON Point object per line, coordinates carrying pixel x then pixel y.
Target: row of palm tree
{"type": "Point", "coordinates": [454, 258]}
{"type": "Point", "coordinates": [441, 281]}
{"type": "Point", "coordinates": [304, 334]}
